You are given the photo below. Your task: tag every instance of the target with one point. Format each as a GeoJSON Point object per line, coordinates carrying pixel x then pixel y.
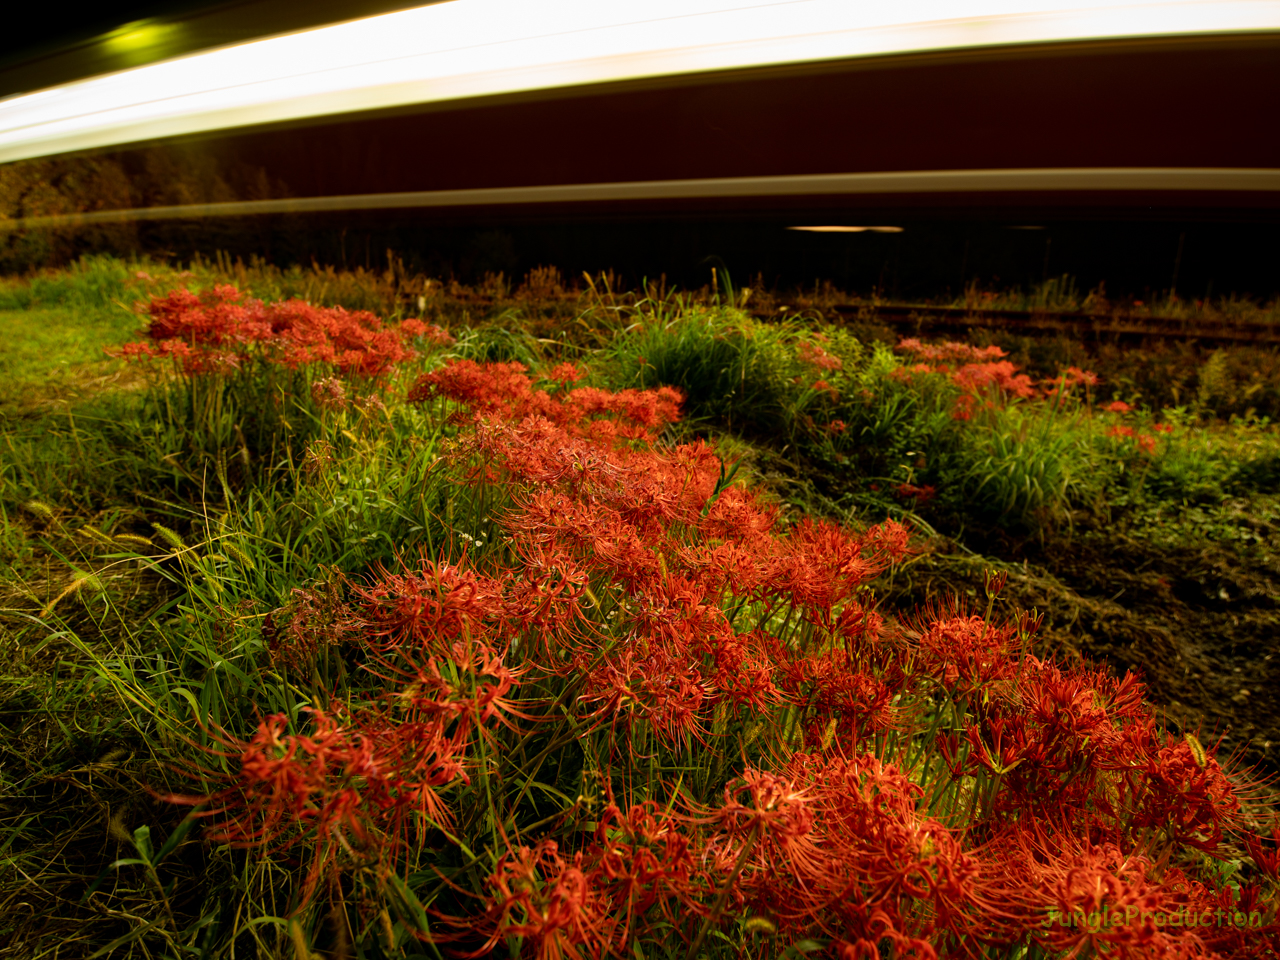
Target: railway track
{"type": "Point", "coordinates": [1098, 327]}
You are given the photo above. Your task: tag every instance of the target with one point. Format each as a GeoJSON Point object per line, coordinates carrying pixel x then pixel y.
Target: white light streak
{"type": "Point", "coordinates": [481, 48]}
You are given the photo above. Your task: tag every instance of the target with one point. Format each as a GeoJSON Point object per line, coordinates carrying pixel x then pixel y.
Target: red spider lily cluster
{"type": "Point", "coordinates": [811, 353]}
{"type": "Point", "coordinates": [1134, 437]}
{"type": "Point", "coordinates": [918, 495]}
{"type": "Point", "coordinates": [985, 378]}
{"type": "Point", "coordinates": [221, 330]}
{"type": "Point", "coordinates": [757, 742]}
{"type": "Point", "coordinates": [1145, 442]}
{"type": "Point", "coordinates": [981, 372]}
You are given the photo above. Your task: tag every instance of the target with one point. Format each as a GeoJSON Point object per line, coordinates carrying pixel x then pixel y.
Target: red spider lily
{"type": "Point", "coordinates": [487, 388]}
{"type": "Point", "coordinates": [648, 860]}
{"type": "Point", "coordinates": [1188, 796]}
{"type": "Point", "coordinates": [1074, 376]}
{"type": "Point", "coordinates": [647, 489]}
{"type": "Point", "coordinates": [1073, 740]}
{"type": "Point", "coordinates": [1064, 703]}
{"type": "Point", "coordinates": [665, 491]}
{"type": "Point", "coordinates": [1118, 406]}
{"type": "Point", "coordinates": [432, 334]}
{"type": "Point", "coordinates": [505, 390]}
{"type": "Point", "coordinates": [432, 608]}
{"type": "Point", "coordinates": [813, 355]}
{"type": "Point", "coordinates": [821, 386]}
{"type": "Point", "coordinates": [193, 360]}
{"type": "Point", "coordinates": [738, 517]}
{"type": "Point", "coordinates": [549, 901]}
{"type": "Point", "coordinates": [675, 611]}
{"type": "Point", "coordinates": [1068, 379]}
{"type": "Point", "coordinates": [823, 564]}
{"type": "Point", "coordinates": [217, 330]}
{"type": "Point", "coordinates": [1094, 899]}
{"type": "Point", "coordinates": [720, 565]}
{"type": "Point", "coordinates": [745, 672]}
{"type": "Point", "coordinates": [456, 687]}
{"type": "Point", "coordinates": [888, 543]}
{"type": "Point", "coordinates": [639, 493]}
{"type": "Point", "coordinates": [1005, 752]}
{"type": "Point", "coordinates": [1002, 375]}
{"type": "Point", "coordinates": [775, 807]}
{"type": "Point", "coordinates": [639, 861]}
{"type": "Point", "coordinates": [565, 374]}
{"type": "Point", "coordinates": [593, 534]}
{"type": "Point", "coordinates": [964, 651]}
{"type": "Point", "coordinates": [1242, 926]}
{"type": "Point", "coordinates": [663, 689]}
{"type": "Point", "coordinates": [1060, 738]}
{"type": "Point", "coordinates": [844, 852]}
{"type": "Point", "coordinates": [845, 705]}
{"type": "Point", "coordinates": [767, 838]}
{"type": "Point", "coordinates": [1145, 441]}
{"type": "Point", "coordinates": [921, 495]}
{"type": "Point", "coordinates": [1265, 855]}
{"type": "Point", "coordinates": [860, 629]}
{"type": "Point", "coordinates": [950, 351]}
{"type": "Point", "coordinates": [651, 409]}
{"type": "Point", "coordinates": [547, 601]}
{"type": "Point", "coordinates": [880, 929]}
{"type": "Point", "coordinates": [982, 371]}
{"type": "Point", "coordinates": [640, 596]}
{"type": "Point", "coordinates": [350, 787]}
{"type": "Point", "coordinates": [539, 452]}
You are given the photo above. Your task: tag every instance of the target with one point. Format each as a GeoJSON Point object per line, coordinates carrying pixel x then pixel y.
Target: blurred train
{"type": "Point", "coordinates": [741, 117]}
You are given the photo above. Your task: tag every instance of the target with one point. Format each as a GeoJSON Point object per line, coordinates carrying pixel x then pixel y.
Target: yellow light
{"type": "Point", "coordinates": [477, 48]}
{"type": "Point", "coordinates": [848, 229]}
{"type": "Point", "coordinates": [139, 35]}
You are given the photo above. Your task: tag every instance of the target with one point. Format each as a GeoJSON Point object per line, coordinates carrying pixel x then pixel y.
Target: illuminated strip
{"type": "Point", "coordinates": [921, 181]}
{"type": "Point", "coordinates": [480, 48]}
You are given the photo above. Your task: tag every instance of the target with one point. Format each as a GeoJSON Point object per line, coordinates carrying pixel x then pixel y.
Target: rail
{"type": "Point", "coordinates": [1083, 326]}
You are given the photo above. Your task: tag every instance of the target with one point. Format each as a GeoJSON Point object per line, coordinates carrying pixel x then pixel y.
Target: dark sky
{"type": "Point", "coordinates": [47, 27]}
{"type": "Point", "coordinates": [47, 44]}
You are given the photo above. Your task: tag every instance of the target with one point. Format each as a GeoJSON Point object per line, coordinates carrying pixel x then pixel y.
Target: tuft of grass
{"type": "Point", "coordinates": [733, 370]}
{"type": "Point", "coordinates": [1026, 461]}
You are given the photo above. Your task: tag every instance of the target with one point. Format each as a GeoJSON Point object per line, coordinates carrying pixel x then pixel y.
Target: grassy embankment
{"type": "Point", "coordinates": [187, 554]}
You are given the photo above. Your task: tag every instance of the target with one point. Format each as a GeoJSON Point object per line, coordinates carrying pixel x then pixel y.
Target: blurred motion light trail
{"type": "Point", "coordinates": [467, 49]}
{"type": "Point", "coordinates": [918, 181]}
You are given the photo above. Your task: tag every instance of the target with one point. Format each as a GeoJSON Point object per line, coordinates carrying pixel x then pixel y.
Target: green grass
{"type": "Point", "coordinates": [52, 353]}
